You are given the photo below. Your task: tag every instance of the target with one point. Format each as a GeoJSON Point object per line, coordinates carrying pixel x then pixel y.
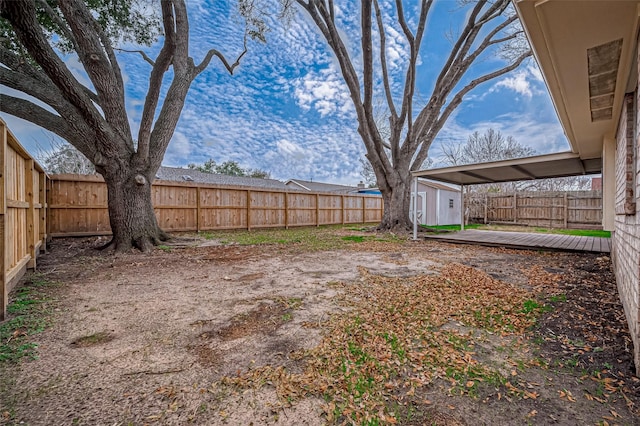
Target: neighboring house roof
{"type": "Point", "coordinates": [177, 174]}
{"type": "Point", "coordinates": [189, 175]}
{"type": "Point", "coordinates": [320, 187]}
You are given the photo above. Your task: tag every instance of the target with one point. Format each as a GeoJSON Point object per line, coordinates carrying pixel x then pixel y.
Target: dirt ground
{"type": "Point", "coordinates": [173, 337]}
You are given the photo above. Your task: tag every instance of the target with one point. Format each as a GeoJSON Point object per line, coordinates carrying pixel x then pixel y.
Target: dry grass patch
{"type": "Point", "coordinates": [392, 340]}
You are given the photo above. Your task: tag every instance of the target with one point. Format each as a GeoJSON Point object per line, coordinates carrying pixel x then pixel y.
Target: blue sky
{"type": "Point", "coordinates": [286, 109]}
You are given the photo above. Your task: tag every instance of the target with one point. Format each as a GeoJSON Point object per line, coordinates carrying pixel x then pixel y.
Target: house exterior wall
{"type": "Point", "coordinates": [626, 235]}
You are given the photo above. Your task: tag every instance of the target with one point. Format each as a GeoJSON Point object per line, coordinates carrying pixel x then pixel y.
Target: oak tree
{"type": "Point", "coordinates": [490, 28]}
{"type": "Point", "coordinates": [35, 38]}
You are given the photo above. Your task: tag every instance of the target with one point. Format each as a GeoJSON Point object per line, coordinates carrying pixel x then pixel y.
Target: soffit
{"type": "Point", "coordinates": [585, 49]}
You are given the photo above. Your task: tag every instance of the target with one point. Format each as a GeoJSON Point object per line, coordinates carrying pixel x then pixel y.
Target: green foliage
{"type": "Point", "coordinates": [311, 238]}
{"type": "Point", "coordinates": [578, 232]}
{"type": "Point", "coordinates": [123, 21]}
{"type": "Point", "coordinates": [446, 228]}
{"type": "Point", "coordinates": [230, 168]}
{"type": "Point", "coordinates": [558, 298]}
{"type": "Point", "coordinates": [531, 306]}
{"type": "Point", "coordinates": [28, 316]}
{"type": "Point", "coordinates": [354, 238]}
{"type": "Point", "coordinates": [208, 166]}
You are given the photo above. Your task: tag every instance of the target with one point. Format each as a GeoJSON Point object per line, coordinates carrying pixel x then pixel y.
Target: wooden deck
{"type": "Point", "coordinates": [525, 240]}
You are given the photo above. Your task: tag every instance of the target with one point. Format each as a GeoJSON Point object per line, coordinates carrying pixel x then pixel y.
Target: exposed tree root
{"type": "Point", "coordinates": [144, 243]}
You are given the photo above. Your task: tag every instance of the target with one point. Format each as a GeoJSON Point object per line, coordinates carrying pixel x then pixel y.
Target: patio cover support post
{"type": "Point", "coordinates": [415, 208]}
{"type": "Point", "coordinates": [462, 207]}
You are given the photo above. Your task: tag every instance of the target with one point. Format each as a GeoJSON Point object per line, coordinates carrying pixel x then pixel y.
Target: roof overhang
{"type": "Point", "coordinates": [586, 52]}
{"type": "Point", "coordinates": [538, 167]}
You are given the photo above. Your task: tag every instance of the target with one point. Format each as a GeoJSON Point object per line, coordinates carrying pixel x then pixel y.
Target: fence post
{"type": "Point", "coordinates": [31, 212]}
{"type": "Point", "coordinates": [248, 210]}
{"type": "Point", "coordinates": [286, 210]}
{"type": "Point", "coordinates": [342, 205]}
{"type": "Point", "coordinates": [566, 210]}
{"type": "Point", "coordinates": [42, 196]}
{"type": "Point", "coordinates": [515, 207]}
{"type": "Point", "coordinates": [317, 210]}
{"type": "Point", "coordinates": [3, 216]}
{"type": "Point", "coordinates": [364, 210]}
{"type": "Point", "coordinates": [486, 207]}
{"type": "Point", "coordinates": [197, 208]}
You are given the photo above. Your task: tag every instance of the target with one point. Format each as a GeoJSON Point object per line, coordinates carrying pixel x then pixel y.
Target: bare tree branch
{"type": "Point", "coordinates": [160, 67]}
{"type": "Point", "coordinates": [213, 52]}
{"type": "Point", "coordinates": [142, 53]}
{"type": "Point", "coordinates": [455, 102]}
{"type": "Point", "coordinates": [383, 62]}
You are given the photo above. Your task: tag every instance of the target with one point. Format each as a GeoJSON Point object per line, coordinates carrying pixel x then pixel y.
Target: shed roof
{"type": "Point", "coordinates": [438, 185]}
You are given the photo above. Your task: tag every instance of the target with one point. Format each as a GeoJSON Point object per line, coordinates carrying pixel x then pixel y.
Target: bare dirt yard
{"type": "Point", "coordinates": [332, 325]}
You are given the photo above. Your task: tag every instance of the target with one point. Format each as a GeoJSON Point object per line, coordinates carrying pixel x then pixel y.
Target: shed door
{"type": "Point", "coordinates": [431, 208]}
{"type": "Point", "coordinates": [422, 206]}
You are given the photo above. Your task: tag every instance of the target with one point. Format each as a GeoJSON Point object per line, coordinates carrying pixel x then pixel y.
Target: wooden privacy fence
{"type": "Point", "coordinates": [574, 209]}
{"type": "Point", "coordinates": [22, 212]}
{"type": "Point", "coordinates": [78, 206]}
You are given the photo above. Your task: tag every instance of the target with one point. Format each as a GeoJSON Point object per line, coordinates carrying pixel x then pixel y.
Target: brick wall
{"type": "Point", "coordinates": [626, 236]}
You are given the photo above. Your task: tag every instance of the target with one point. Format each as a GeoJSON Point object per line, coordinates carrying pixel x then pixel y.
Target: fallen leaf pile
{"type": "Point", "coordinates": [542, 281]}
{"type": "Point", "coordinates": [393, 340]}
{"type": "Point", "coordinates": [587, 330]}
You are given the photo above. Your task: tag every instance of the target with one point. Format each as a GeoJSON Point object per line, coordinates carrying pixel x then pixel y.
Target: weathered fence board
{"type": "Point", "coordinates": [78, 206]}
{"type": "Point", "coordinates": [22, 212]}
{"type": "Point", "coordinates": [573, 209]}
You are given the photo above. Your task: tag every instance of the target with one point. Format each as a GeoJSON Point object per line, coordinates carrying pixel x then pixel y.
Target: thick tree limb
{"type": "Point", "coordinates": [184, 73]}
{"type": "Point", "coordinates": [31, 112]}
{"type": "Point", "coordinates": [162, 64]}
{"type": "Point", "coordinates": [104, 74]}
{"type": "Point", "coordinates": [383, 62]}
{"type": "Point", "coordinates": [46, 93]}
{"type": "Point", "coordinates": [22, 16]}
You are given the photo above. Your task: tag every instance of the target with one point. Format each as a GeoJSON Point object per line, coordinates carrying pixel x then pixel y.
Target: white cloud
{"type": "Point", "coordinates": [519, 83]}
{"type": "Point", "coordinates": [179, 149]}
{"type": "Point", "coordinates": [535, 72]}
{"type": "Point", "coordinates": [290, 149]}
{"type": "Point", "coordinates": [287, 109]}
{"type": "Point", "coordinates": [324, 91]}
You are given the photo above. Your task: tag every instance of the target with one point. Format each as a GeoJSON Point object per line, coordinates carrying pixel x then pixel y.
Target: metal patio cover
{"type": "Point", "coordinates": [537, 167]}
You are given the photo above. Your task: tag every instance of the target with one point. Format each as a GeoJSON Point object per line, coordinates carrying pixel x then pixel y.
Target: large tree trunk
{"type": "Point", "coordinates": [396, 197]}
{"type": "Point", "coordinates": [133, 221]}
